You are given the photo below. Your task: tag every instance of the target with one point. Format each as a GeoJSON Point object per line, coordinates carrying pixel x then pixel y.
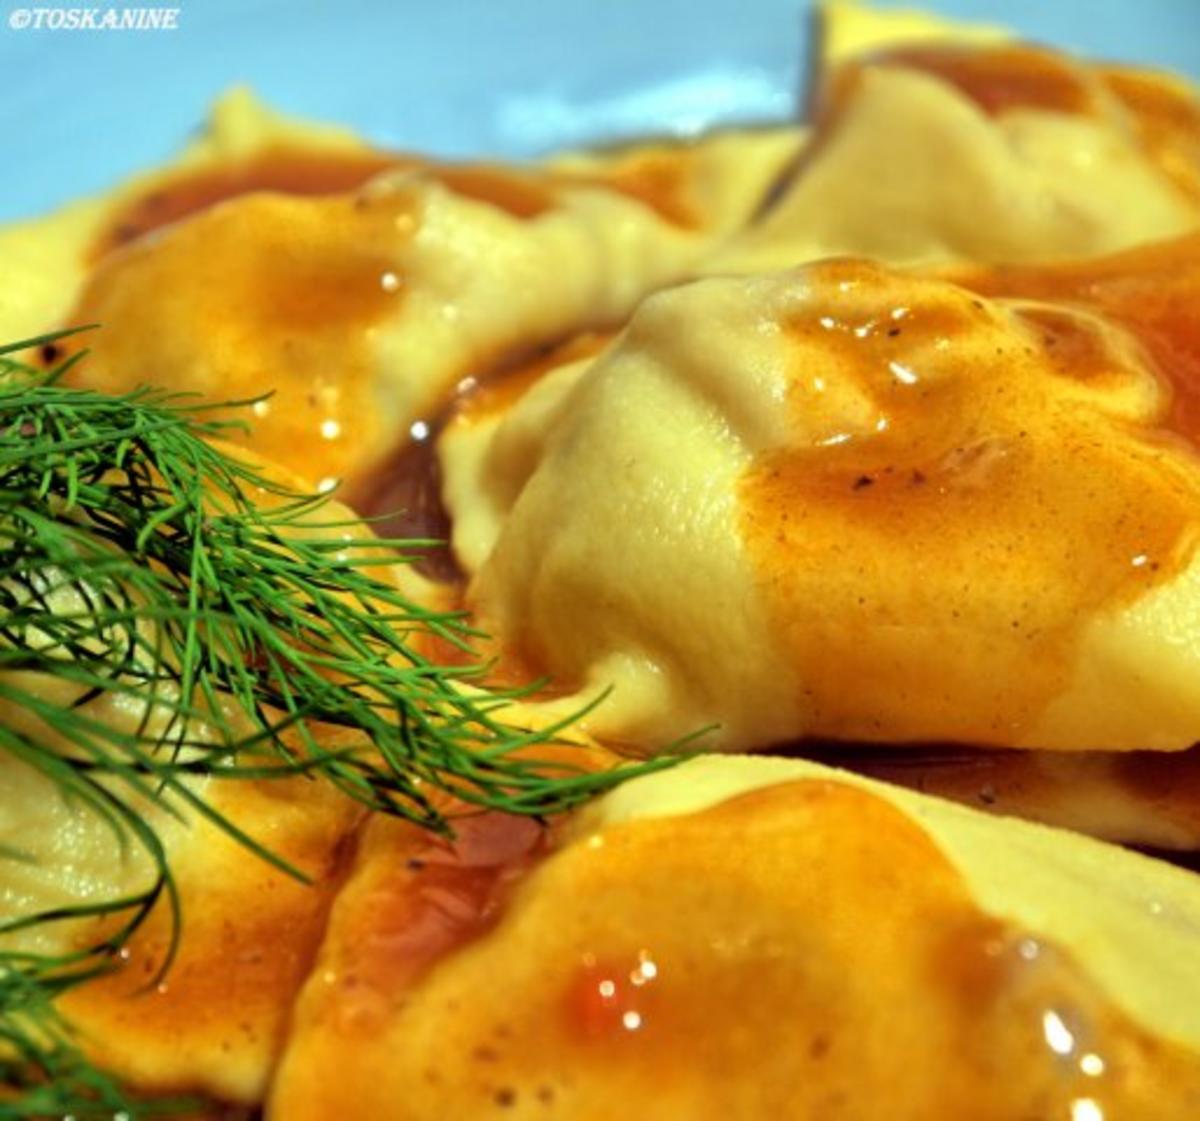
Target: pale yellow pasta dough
{"type": "Point", "coordinates": [819, 502]}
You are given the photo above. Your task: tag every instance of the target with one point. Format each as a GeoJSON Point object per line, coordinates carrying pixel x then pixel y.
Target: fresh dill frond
{"type": "Point", "coordinates": [43, 1072]}
{"type": "Point", "coordinates": [253, 633]}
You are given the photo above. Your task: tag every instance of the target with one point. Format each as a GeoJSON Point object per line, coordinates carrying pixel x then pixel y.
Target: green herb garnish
{"type": "Point", "coordinates": [135, 559]}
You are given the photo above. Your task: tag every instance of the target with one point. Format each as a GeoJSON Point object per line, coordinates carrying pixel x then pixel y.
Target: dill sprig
{"type": "Point", "coordinates": [43, 1073]}
{"type": "Point", "coordinates": [255, 635]}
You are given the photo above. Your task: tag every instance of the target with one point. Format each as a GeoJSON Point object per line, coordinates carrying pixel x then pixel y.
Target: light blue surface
{"type": "Point", "coordinates": [458, 77]}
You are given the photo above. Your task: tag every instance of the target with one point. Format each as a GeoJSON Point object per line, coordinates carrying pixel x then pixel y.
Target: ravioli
{"type": "Point", "coordinates": [1145, 798]}
{"type": "Point", "coordinates": [753, 938]}
{"type": "Point", "coordinates": [875, 439]}
{"type": "Point", "coordinates": [931, 150]}
{"type": "Point", "coordinates": [817, 503]}
{"type": "Point", "coordinates": [358, 287]}
{"type": "Point", "coordinates": [44, 262]}
{"type": "Point", "coordinates": [213, 1022]}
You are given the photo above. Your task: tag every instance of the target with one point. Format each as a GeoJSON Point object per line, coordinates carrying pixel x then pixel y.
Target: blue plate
{"type": "Point", "coordinates": [456, 77]}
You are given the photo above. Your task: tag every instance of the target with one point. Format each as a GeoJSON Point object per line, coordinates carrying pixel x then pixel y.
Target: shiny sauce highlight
{"type": "Point", "coordinates": [273, 274]}
{"type": "Point", "coordinates": [801, 951]}
{"type": "Point", "coordinates": [215, 1021]}
{"type": "Point", "coordinates": [794, 990]}
{"type": "Point", "coordinates": [934, 553]}
{"type": "Point", "coordinates": [1152, 292]}
{"type": "Point", "coordinates": [272, 294]}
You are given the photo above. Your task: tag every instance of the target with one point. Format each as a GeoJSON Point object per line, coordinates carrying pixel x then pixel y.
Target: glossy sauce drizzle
{"type": "Point", "coordinates": [278, 168]}
{"type": "Point", "coordinates": [1027, 1029]}
{"type": "Point", "coordinates": [1000, 78]}
{"type": "Point", "coordinates": [284, 291]}
{"type": "Point", "coordinates": [1166, 114]}
{"type": "Point", "coordinates": [275, 293]}
{"type": "Point", "coordinates": [801, 951]}
{"type": "Point", "coordinates": [308, 172]}
{"type": "Point", "coordinates": [1153, 292]}
{"type": "Point", "coordinates": [658, 178]}
{"type": "Point", "coordinates": [934, 555]}
{"type": "Point", "coordinates": [281, 292]}
{"type": "Point", "coordinates": [216, 1021]}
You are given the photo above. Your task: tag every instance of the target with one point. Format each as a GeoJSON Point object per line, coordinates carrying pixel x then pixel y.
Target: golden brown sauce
{"type": "Point", "coordinates": [307, 172]}
{"type": "Point", "coordinates": [276, 294]}
{"type": "Point", "coordinates": [216, 1021]}
{"type": "Point", "coordinates": [280, 168]}
{"type": "Point", "coordinates": [1161, 114]}
{"type": "Point", "coordinates": [1025, 1027]}
{"type": "Point", "coordinates": [659, 179]}
{"type": "Point", "coordinates": [980, 520]}
{"type": "Point", "coordinates": [996, 78]}
{"type": "Point", "coordinates": [662, 963]}
{"type": "Point", "coordinates": [1000, 78]}
{"type": "Point", "coordinates": [284, 292]}
{"type": "Point", "coordinates": [1151, 291]}
{"type": "Point", "coordinates": [610, 999]}
{"type": "Point", "coordinates": [503, 388]}
{"type": "Point", "coordinates": [1166, 115]}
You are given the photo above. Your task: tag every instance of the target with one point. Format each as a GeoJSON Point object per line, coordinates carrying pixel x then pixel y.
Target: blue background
{"type": "Point", "coordinates": [457, 77]}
